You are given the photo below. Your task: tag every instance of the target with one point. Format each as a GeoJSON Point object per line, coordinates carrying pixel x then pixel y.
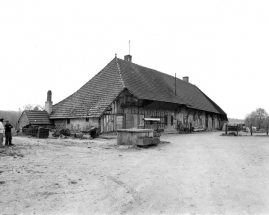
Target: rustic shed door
{"type": "Point", "coordinates": [108, 123]}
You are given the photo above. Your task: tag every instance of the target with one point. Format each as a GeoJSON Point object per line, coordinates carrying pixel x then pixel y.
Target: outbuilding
{"type": "Point", "coordinates": [36, 118]}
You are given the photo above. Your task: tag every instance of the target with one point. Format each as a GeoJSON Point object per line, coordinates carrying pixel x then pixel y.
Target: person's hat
{"type": "Point", "coordinates": [1, 119]}
{"type": "Point", "coordinates": [7, 120]}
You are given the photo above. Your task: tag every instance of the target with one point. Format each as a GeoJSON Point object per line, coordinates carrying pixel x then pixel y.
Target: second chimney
{"type": "Point", "coordinates": [48, 104]}
{"type": "Point", "coordinates": [128, 58]}
{"type": "Point", "coordinates": [186, 78]}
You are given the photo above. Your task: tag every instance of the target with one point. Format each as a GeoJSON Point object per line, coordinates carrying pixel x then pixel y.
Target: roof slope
{"type": "Point", "coordinates": [150, 84]}
{"type": "Point", "coordinates": [38, 117]}
{"type": "Point", "coordinates": [92, 99]}
{"type": "Point", "coordinates": [147, 83]}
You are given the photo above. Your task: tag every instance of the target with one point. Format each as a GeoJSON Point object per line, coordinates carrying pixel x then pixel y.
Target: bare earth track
{"type": "Point", "coordinates": [194, 173]}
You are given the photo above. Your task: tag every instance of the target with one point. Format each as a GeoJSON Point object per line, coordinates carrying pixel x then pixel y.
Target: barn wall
{"type": "Point", "coordinates": [131, 116]}
{"type": "Point", "coordinates": [23, 121]}
{"type": "Point", "coordinates": [124, 113]}
{"type": "Point", "coordinates": [118, 117]}
{"type": "Point", "coordinates": [76, 124]}
{"type": "Point", "coordinates": [186, 116]}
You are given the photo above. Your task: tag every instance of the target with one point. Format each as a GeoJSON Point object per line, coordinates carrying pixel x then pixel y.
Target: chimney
{"type": "Point", "coordinates": [48, 103]}
{"type": "Point", "coordinates": [186, 78]}
{"type": "Point", "coordinates": [128, 58]}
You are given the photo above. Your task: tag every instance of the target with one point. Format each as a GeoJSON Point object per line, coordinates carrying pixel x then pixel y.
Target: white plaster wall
{"type": "Point", "coordinates": [81, 124]}
{"type": "Point", "coordinates": [23, 120]}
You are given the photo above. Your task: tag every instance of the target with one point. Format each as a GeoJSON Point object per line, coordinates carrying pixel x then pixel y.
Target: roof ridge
{"type": "Point", "coordinates": [157, 71]}
{"type": "Point", "coordinates": [118, 66]}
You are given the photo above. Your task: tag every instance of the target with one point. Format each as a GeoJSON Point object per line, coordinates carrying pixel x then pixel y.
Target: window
{"type": "Point", "coordinates": [87, 119]}
{"type": "Point", "coordinates": [172, 120]}
{"type": "Point", "coordinates": [68, 121]}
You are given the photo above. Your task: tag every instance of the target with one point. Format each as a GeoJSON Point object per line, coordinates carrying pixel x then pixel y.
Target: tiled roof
{"type": "Point", "coordinates": [150, 84]}
{"type": "Point", "coordinates": [38, 117]}
{"type": "Point", "coordinates": [93, 98]}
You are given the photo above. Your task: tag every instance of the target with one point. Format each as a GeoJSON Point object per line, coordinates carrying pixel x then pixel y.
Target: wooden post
{"type": "Point", "coordinates": [251, 129]}
{"type": "Point", "coordinates": [226, 128]}
{"type": "Point", "coordinates": [190, 127]}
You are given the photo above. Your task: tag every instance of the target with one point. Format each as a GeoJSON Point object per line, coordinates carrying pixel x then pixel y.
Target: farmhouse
{"type": "Point", "coordinates": [123, 93]}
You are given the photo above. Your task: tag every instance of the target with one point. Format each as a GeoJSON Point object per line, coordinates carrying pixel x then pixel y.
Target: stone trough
{"type": "Point", "coordinates": [137, 137]}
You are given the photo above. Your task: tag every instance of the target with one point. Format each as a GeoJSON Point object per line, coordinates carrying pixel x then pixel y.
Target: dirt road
{"type": "Point", "coordinates": [194, 173]}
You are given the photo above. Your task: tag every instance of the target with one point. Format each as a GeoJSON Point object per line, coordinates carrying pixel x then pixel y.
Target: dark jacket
{"type": "Point", "coordinates": [8, 127]}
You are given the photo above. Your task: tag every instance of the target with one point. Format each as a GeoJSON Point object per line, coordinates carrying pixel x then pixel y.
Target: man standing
{"type": "Point", "coordinates": [2, 129]}
{"type": "Point", "coordinates": [8, 127]}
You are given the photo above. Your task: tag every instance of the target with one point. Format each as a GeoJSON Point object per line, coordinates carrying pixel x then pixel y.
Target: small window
{"type": "Point", "coordinates": [68, 121]}
{"type": "Point", "coordinates": [87, 119]}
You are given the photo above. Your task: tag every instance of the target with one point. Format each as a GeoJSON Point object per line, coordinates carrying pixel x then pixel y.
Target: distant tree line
{"type": "Point", "coordinates": [13, 116]}
{"type": "Point", "coordinates": [258, 118]}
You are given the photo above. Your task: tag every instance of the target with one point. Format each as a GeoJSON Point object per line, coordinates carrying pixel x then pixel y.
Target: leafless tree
{"type": "Point", "coordinates": [33, 107]}
{"type": "Point", "coordinates": [257, 118]}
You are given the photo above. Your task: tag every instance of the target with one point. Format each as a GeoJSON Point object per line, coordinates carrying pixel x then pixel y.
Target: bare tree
{"type": "Point", "coordinates": [33, 107]}
{"type": "Point", "coordinates": [257, 118]}
{"type": "Point", "coordinates": [261, 116]}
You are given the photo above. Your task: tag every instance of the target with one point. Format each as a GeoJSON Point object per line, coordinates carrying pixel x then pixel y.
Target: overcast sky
{"type": "Point", "coordinates": [223, 46]}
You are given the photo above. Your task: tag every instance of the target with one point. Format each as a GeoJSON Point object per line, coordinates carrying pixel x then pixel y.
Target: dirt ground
{"type": "Point", "coordinates": [193, 174]}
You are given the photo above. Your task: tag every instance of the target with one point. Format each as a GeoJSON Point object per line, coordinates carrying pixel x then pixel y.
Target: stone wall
{"type": "Point", "coordinates": [76, 125]}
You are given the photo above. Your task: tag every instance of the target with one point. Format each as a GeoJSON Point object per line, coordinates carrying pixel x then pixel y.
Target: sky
{"type": "Point", "coordinates": [223, 46]}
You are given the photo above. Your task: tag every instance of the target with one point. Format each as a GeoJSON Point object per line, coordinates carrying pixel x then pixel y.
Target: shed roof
{"type": "Point", "coordinates": [97, 94]}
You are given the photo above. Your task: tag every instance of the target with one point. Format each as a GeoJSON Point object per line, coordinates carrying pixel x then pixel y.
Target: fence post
{"type": "Point", "coordinates": [267, 129]}
{"type": "Point", "coordinates": [226, 128]}
{"type": "Point", "coordinates": [251, 129]}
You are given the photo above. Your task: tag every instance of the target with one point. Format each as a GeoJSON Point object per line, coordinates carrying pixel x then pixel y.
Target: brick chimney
{"type": "Point", "coordinates": [128, 58]}
{"type": "Point", "coordinates": [48, 103]}
{"type": "Point", "coordinates": [186, 78]}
